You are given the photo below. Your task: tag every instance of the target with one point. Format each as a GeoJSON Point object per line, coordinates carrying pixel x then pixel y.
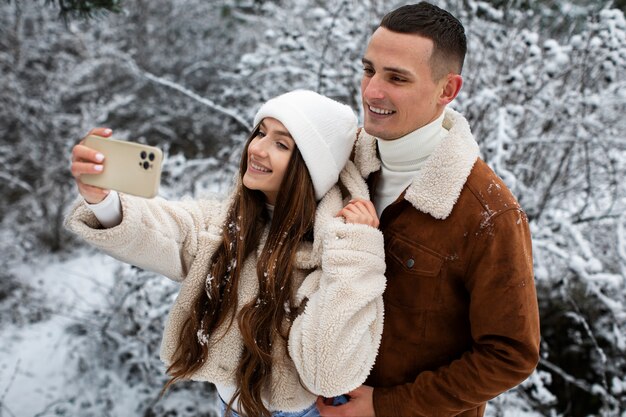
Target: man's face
{"type": "Point", "coordinates": [397, 88]}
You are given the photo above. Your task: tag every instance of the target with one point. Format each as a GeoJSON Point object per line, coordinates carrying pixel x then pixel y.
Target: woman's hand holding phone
{"type": "Point", "coordinates": [89, 161]}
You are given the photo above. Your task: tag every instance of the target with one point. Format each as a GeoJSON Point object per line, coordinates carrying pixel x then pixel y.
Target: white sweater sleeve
{"type": "Point", "coordinates": [108, 211]}
{"type": "Point", "coordinates": [334, 342]}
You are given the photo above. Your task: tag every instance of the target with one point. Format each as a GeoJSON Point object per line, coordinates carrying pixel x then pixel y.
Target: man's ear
{"type": "Point", "coordinates": [451, 86]}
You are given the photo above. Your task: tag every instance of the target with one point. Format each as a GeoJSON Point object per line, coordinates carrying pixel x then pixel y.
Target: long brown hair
{"type": "Point", "coordinates": [261, 321]}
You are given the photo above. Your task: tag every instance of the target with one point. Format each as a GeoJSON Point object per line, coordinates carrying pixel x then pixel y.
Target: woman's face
{"type": "Point", "coordinates": [269, 153]}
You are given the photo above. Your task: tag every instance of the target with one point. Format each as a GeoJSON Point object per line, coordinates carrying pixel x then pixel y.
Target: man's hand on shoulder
{"type": "Point", "coordinates": [360, 404]}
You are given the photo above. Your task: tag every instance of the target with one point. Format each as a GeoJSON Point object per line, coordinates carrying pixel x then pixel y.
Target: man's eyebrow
{"type": "Point", "coordinates": [397, 70]}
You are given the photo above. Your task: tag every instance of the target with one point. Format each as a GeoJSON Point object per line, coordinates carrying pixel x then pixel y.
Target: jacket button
{"type": "Point", "coordinates": [410, 263]}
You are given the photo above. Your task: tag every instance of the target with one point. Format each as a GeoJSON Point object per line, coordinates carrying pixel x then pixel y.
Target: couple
{"type": "Point", "coordinates": [281, 304]}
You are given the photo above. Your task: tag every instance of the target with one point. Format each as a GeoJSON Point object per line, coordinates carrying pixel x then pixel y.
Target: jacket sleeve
{"type": "Point", "coordinates": [334, 342]}
{"type": "Point", "coordinates": [504, 320]}
{"type": "Point", "coordinates": [154, 234]}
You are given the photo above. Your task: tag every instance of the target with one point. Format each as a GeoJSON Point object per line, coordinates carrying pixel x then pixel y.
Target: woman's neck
{"type": "Point", "coordinates": [270, 210]}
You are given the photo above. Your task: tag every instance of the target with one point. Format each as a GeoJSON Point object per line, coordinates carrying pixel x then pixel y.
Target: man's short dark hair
{"type": "Point", "coordinates": [436, 24]}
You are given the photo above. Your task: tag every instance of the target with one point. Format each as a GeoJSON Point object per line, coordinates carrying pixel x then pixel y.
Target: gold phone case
{"type": "Point", "coordinates": [129, 167]}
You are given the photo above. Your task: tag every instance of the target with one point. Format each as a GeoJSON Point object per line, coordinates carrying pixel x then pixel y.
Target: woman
{"type": "Point", "coordinates": [281, 297]}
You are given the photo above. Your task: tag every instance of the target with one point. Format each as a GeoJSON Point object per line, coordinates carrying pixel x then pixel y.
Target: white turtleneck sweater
{"type": "Point", "coordinates": [402, 159]}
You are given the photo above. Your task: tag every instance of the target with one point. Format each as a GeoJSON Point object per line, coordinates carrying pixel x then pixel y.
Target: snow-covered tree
{"type": "Point", "coordinates": [544, 92]}
{"type": "Point", "coordinates": [548, 116]}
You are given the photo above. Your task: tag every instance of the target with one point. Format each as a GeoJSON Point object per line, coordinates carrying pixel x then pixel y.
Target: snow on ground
{"type": "Point", "coordinates": [34, 366]}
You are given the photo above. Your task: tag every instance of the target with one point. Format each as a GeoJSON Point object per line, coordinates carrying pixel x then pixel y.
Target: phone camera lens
{"type": "Point", "coordinates": [151, 156]}
{"type": "Point", "coordinates": [146, 165]}
{"type": "Point", "coordinates": [143, 154]}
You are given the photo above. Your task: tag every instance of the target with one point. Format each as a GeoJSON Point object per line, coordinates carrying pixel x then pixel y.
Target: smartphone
{"type": "Point", "coordinates": [129, 167]}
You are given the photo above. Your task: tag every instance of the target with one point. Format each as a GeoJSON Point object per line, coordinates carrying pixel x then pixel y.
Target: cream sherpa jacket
{"type": "Point", "coordinates": [340, 280]}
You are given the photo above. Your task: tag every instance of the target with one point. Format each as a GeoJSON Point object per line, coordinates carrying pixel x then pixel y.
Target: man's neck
{"type": "Point", "coordinates": [410, 151]}
{"type": "Point", "coordinates": [402, 160]}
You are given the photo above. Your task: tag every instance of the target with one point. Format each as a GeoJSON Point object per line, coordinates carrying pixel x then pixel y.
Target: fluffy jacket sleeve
{"type": "Point", "coordinates": [334, 342]}
{"type": "Point", "coordinates": [154, 234]}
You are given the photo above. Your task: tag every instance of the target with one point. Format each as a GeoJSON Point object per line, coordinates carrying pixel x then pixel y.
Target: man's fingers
{"type": "Point", "coordinates": [326, 409]}
{"type": "Point", "coordinates": [324, 400]}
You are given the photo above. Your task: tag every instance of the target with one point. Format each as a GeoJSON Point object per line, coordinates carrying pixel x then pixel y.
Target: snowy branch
{"type": "Point", "coordinates": [16, 181]}
{"type": "Point", "coordinates": [327, 43]}
{"type": "Point", "coordinates": [128, 61]}
{"type": "Point", "coordinates": [580, 383]}
{"type": "Point", "coordinates": [621, 242]}
{"type": "Point", "coordinates": [593, 389]}
{"type": "Point", "coordinates": [244, 124]}
{"type": "Point", "coordinates": [7, 409]}
{"type": "Point", "coordinates": [6, 391]}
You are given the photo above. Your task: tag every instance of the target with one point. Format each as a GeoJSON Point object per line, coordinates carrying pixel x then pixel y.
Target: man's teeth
{"type": "Point", "coordinates": [259, 167]}
{"type": "Point", "coordinates": [381, 111]}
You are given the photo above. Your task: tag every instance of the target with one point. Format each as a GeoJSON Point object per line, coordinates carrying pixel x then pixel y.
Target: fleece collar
{"type": "Point", "coordinates": [437, 186]}
{"type": "Point", "coordinates": [309, 255]}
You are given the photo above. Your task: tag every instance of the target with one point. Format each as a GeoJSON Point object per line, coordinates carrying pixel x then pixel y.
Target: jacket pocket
{"type": "Point", "coordinates": [413, 275]}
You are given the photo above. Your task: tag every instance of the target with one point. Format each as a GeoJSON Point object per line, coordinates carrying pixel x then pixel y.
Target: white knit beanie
{"type": "Point", "coordinates": [324, 131]}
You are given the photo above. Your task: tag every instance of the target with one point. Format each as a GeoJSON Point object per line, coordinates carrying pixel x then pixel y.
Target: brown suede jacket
{"type": "Point", "coordinates": [461, 316]}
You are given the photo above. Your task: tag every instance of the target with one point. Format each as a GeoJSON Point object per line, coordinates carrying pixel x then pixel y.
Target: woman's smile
{"type": "Point", "coordinates": [255, 167]}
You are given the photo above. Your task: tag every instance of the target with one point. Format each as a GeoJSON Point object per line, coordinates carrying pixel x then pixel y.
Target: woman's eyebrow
{"type": "Point", "coordinates": [278, 132]}
{"type": "Point", "coordinates": [283, 133]}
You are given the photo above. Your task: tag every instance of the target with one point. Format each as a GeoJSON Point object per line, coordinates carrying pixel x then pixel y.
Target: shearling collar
{"type": "Point", "coordinates": [310, 256]}
{"type": "Point", "coordinates": [436, 188]}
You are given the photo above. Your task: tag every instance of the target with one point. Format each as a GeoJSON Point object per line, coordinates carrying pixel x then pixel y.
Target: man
{"type": "Point", "coordinates": [461, 317]}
